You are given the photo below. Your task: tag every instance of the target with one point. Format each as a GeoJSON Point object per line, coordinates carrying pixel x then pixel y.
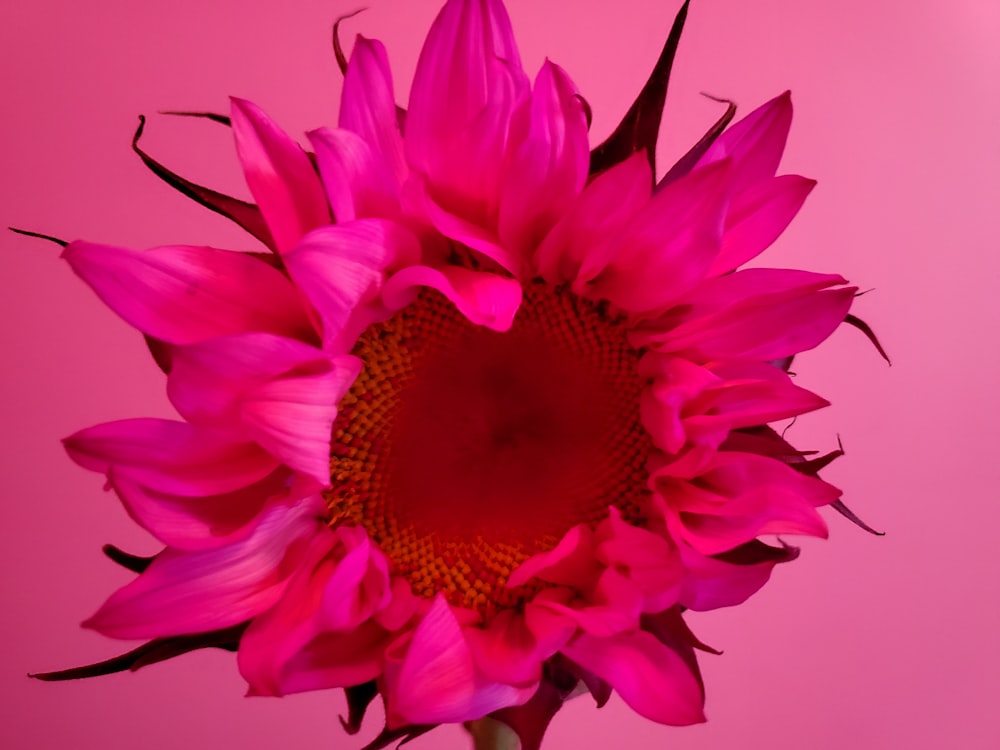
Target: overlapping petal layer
{"type": "Point", "coordinates": [403, 245]}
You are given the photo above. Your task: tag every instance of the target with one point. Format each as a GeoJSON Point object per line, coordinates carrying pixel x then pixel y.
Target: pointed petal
{"type": "Point", "coordinates": [670, 244]}
{"type": "Point", "coordinates": [279, 175]}
{"type": "Point", "coordinates": [437, 680]}
{"type": "Point", "coordinates": [758, 313]}
{"type": "Point", "coordinates": [368, 105]}
{"type": "Point", "coordinates": [185, 294]}
{"type": "Point", "coordinates": [486, 299]}
{"type": "Point", "coordinates": [192, 592]}
{"type": "Point", "coordinates": [757, 217]}
{"type": "Point", "coordinates": [172, 457]}
{"type": "Point", "coordinates": [755, 143]}
{"type": "Point", "coordinates": [192, 523]}
{"type": "Point", "coordinates": [731, 578]}
{"type": "Point", "coordinates": [652, 678]}
{"type": "Point", "coordinates": [548, 160]}
{"type": "Point", "coordinates": [506, 650]}
{"type": "Point", "coordinates": [357, 181]}
{"type": "Point", "coordinates": [581, 244]}
{"type": "Point", "coordinates": [466, 86]}
{"type": "Point", "coordinates": [571, 562]}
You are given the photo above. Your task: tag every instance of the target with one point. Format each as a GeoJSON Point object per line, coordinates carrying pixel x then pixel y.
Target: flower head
{"type": "Point", "coordinates": [491, 413]}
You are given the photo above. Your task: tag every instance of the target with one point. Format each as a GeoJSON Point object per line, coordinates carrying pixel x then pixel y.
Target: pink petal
{"type": "Point", "coordinates": [670, 244]}
{"type": "Point", "coordinates": [341, 270]}
{"type": "Point", "coordinates": [191, 523]}
{"type": "Point", "coordinates": [171, 457]}
{"type": "Point", "coordinates": [436, 680]}
{"type": "Point", "coordinates": [755, 143]}
{"type": "Point", "coordinates": [368, 106]}
{"type": "Point", "coordinates": [581, 244]}
{"type": "Point", "coordinates": [193, 592]}
{"type": "Point", "coordinates": [652, 678]}
{"type": "Point", "coordinates": [466, 86]}
{"type": "Point", "coordinates": [486, 299]}
{"type": "Point", "coordinates": [292, 417]}
{"type": "Point", "coordinates": [612, 604]}
{"type": "Point", "coordinates": [319, 635]}
{"type": "Point", "coordinates": [549, 160]}
{"type": "Point", "coordinates": [759, 313]}
{"type": "Point", "coordinates": [648, 560]}
{"type": "Point", "coordinates": [757, 217]}
{"type": "Point", "coordinates": [279, 174]}
{"type": "Point", "coordinates": [712, 582]}
{"type": "Point", "coordinates": [207, 380]}
{"type": "Point", "coordinates": [571, 562]}
{"type": "Point", "coordinates": [358, 184]}
{"type": "Point", "coordinates": [741, 496]}
{"type": "Point", "coordinates": [506, 650]}
{"type": "Point", "coordinates": [181, 295]}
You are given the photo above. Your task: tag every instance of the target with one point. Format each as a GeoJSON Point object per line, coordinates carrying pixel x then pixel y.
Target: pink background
{"type": "Point", "coordinates": [863, 643]}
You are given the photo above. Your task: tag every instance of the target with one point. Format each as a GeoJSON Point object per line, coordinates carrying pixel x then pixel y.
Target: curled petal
{"type": "Point", "coordinates": [341, 270]}
{"type": "Point", "coordinates": [279, 174]}
{"type": "Point", "coordinates": [192, 592]}
{"type": "Point", "coordinates": [435, 680]}
{"type": "Point", "coordinates": [571, 562]}
{"type": "Point", "coordinates": [320, 634]}
{"type": "Point", "coordinates": [484, 298]}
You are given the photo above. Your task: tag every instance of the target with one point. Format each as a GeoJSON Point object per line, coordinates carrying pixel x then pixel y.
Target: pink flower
{"type": "Point", "coordinates": [491, 413]}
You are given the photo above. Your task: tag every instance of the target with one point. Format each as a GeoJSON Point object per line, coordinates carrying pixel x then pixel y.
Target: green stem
{"type": "Point", "coordinates": [490, 734]}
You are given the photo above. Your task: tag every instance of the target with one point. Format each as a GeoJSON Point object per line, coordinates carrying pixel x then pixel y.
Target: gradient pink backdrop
{"type": "Point", "coordinates": [863, 643]}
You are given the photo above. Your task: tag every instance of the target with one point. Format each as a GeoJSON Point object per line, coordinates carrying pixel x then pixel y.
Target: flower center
{"type": "Point", "coordinates": [464, 451]}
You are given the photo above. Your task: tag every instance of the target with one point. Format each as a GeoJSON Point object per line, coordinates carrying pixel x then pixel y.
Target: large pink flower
{"type": "Point", "coordinates": [491, 413]}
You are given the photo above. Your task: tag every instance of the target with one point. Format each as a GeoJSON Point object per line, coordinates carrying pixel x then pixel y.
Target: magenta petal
{"type": "Point", "coordinates": [758, 313]}
{"type": "Point", "coordinates": [368, 105]}
{"type": "Point", "coordinates": [670, 244]}
{"type": "Point", "coordinates": [279, 174]}
{"type": "Point", "coordinates": [207, 522]}
{"type": "Point", "coordinates": [207, 379]}
{"type": "Point", "coordinates": [653, 679]}
{"type": "Point", "coordinates": [486, 299]}
{"type": "Point", "coordinates": [172, 457]}
{"type": "Point", "coordinates": [186, 294]}
{"type": "Point", "coordinates": [319, 635]}
{"type": "Point", "coordinates": [466, 86]}
{"type": "Point", "coordinates": [193, 592]}
{"type": "Point", "coordinates": [757, 217]}
{"type": "Point", "coordinates": [648, 560]}
{"type": "Point", "coordinates": [571, 562]}
{"type": "Point", "coordinates": [341, 270]}
{"type": "Point", "coordinates": [437, 680]}
{"type": "Point", "coordinates": [581, 244]}
{"type": "Point", "coordinates": [506, 650]}
{"type": "Point", "coordinates": [712, 582]}
{"type": "Point", "coordinates": [549, 160]}
{"type": "Point", "coordinates": [357, 182]}
{"type": "Point", "coordinates": [755, 143]}
{"type": "Point", "coordinates": [292, 417]}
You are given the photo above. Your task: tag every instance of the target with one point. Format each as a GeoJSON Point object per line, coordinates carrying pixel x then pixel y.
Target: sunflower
{"type": "Point", "coordinates": [489, 414]}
